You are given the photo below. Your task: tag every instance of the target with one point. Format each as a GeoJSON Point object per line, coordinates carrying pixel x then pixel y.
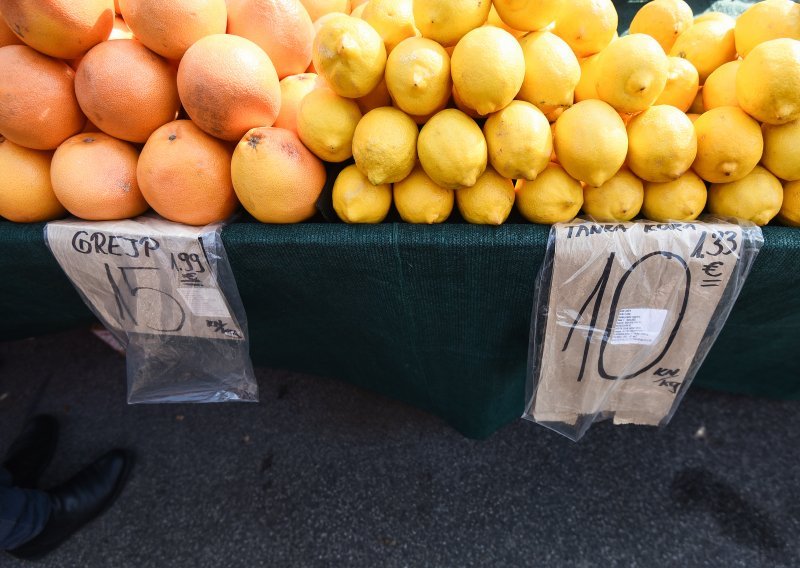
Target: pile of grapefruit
{"type": "Point", "coordinates": [195, 107]}
{"type": "Point", "coordinates": [108, 109]}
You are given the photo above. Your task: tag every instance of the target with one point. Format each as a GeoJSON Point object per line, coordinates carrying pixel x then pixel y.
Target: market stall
{"type": "Point", "coordinates": [438, 317]}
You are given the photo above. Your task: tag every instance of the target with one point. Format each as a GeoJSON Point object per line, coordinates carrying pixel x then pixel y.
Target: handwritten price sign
{"type": "Point", "coordinates": [145, 276]}
{"type": "Point", "coordinates": [628, 313]}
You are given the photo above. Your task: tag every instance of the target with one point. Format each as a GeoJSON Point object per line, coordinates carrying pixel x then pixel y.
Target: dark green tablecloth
{"type": "Point", "coordinates": [435, 316]}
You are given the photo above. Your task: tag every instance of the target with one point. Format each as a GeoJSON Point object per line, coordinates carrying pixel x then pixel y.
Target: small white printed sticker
{"type": "Point", "coordinates": [205, 302]}
{"type": "Point", "coordinates": [638, 326]}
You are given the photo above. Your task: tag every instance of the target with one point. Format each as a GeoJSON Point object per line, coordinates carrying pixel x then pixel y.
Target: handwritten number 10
{"type": "Point", "coordinates": [598, 294]}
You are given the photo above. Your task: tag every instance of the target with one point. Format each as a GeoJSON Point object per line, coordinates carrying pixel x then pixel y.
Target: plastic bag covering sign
{"type": "Point", "coordinates": [168, 294]}
{"type": "Point", "coordinates": [144, 280]}
{"type": "Point", "coordinates": [626, 313]}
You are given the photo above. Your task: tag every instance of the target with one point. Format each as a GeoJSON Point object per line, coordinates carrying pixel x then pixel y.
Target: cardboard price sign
{"type": "Point", "coordinates": [145, 276]}
{"type": "Point", "coordinates": [631, 312]}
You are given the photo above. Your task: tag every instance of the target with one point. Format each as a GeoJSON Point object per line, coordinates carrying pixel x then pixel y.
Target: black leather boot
{"type": "Point", "coordinates": [32, 451]}
{"type": "Point", "coordinates": [78, 501]}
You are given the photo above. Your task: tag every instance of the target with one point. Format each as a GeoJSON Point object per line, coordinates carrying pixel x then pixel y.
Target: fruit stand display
{"type": "Point", "coordinates": [399, 167]}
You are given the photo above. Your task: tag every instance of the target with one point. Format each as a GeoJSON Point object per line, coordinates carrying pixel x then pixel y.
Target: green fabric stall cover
{"type": "Point", "coordinates": [435, 316]}
{"type": "Point", "coordinates": [35, 295]}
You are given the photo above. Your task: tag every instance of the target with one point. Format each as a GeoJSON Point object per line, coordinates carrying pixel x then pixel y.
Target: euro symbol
{"type": "Point", "coordinates": [711, 269]}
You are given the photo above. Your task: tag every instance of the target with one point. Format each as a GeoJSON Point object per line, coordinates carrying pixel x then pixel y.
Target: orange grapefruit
{"type": "Point", "coordinates": [126, 90]}
{"type": "Point", "coordinates": [277, 179]}
{"type": "Point", "coordinates": [7, 37]}
{"type": "Point", "coordinates": [185, 175]}
{"type": "Point", "coordinates": [26, 194]}
{"type": "Point", "coordinates": [94, 177]}
{"type": "Point", "coordinates": [39, 109]}
{"type": "Point", "coordinates": [170, 27]}
{"type": "Point", "coordinates": [228, 85]}
{"type": "Point", "coordinates": [282, 28]}
{"type": "Point", "coordinates": [60, 28]}
{"type": "Point", "coordinates": [318, 8]}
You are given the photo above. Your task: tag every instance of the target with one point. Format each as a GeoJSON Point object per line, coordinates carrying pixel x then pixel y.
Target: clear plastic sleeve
{"type": "Point", "coordinates": [168, 295]}
{"type": "Point", "coordinates": [624, 315]}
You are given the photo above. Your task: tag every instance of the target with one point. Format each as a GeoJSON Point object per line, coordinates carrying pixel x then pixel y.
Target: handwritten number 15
{"type": "Point", "coordinates": [130, 290]}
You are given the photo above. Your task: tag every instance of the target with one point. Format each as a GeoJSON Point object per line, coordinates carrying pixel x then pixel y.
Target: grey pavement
{"type": "Point", "coordinates": [320, 473]}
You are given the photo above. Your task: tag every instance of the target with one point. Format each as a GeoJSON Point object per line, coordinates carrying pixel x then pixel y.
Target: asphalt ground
{"type": "Point", "coordinates": [320, 473]}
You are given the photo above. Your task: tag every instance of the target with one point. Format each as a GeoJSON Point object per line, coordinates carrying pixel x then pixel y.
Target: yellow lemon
{"type": "Point", "coordinates": [494, 20]}
{"type": "Point", "coordinates": [379, 97]}
{"type": "Point", "coordinates": [683, 83]}
{"type": "Point", "coordinates": [392, 19]}
{"type": "Point", "coordinates": [26, 192]}
{"type": "Point", "coordinates": [707, 45]}
{"type": "Point", "coordinates": [682, 199]}
{"type": "Point", "coordinates": [452, 149]}
{"type": "Point", "coordinates": [554, 116]}
{"type": "Point", "coordinates": [350, 55]}
{"type": "Point", "coordinates": [358, 11]}
{"type": "Point", "coordinates": [318, 23]}
{"type": "Point", "coordinates": [697, 106]}
{"type": "Point", "coordinates": [519, 141]}
{"type": "Point", "coordinates": [768, 81]}
{"type": "Point", "coordinates": [757, 197]}
{"type": "Point", "coordinates": [489, 201]}
{"type": "Point", "coordinates": [419, 200]}
{"type": "Point", "coordinates": [422, 120]}
{"type": "Point", "coordinates": [553, 197]}
{"type": "Point", "coordinates": [720, 87]}
{"type": "Point", "coordinates": [293, 89]}
{"type": "Point", "coordinates": [663, 20]}
{"type": "Point", "coordinates": [591, 142]}
{"type": "Point", "coordinates": [529, 15]}
{"type": "Point", "coordinates": [632, 73]}
{"type": "Point", "coordinates": [320, 8]}
{"type": "Point", "coordinates": [588, 26]}
{"type": "Point", "coordinates": [626, 117]}
{"type": "Point", "coordinates": [551, 72]}
{"type": "Point", "coordinates": [619, 199]}
{"type": "Point", "coordinates": [464, 107]}
{"type": "Point", "coordinates": [488, 68]}
{"type": "Point", "coordinates": [764, 21]}
{"type": "Point", "coordinates": [322, 20]}
{"type": "Point", "coordinates": [790, 210]}
{"type": "Point", "coordinates": [587, 85]}
{"type": "Point", "coordinates": [709, 16]}
{"type": "Point", "coordinates": [326, 123]}
{"type": "Point", "coordinates": [418, 76]}
{"type": "Point", "coordinates": [385, 145]}
{"type": "Point", "coordinates": [780, 150]}
{"type": "Point", "coordinates": [447, 21]}
{"type": "Point", "coordinates": [356, 200]}
{"type": "Point", "coordinates": [662, 144]}
{"type": "Point", "coordinates": [729, 145]}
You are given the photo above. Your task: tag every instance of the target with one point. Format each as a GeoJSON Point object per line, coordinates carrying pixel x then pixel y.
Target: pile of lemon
{"type": "Point", "coordinates": [539, 103]}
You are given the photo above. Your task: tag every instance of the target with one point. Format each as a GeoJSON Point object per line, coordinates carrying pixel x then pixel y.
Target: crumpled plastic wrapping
{"type": "Point", "coordinates": [167, 294]}
{"type": "Point", "coordinates": [624, 315]}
